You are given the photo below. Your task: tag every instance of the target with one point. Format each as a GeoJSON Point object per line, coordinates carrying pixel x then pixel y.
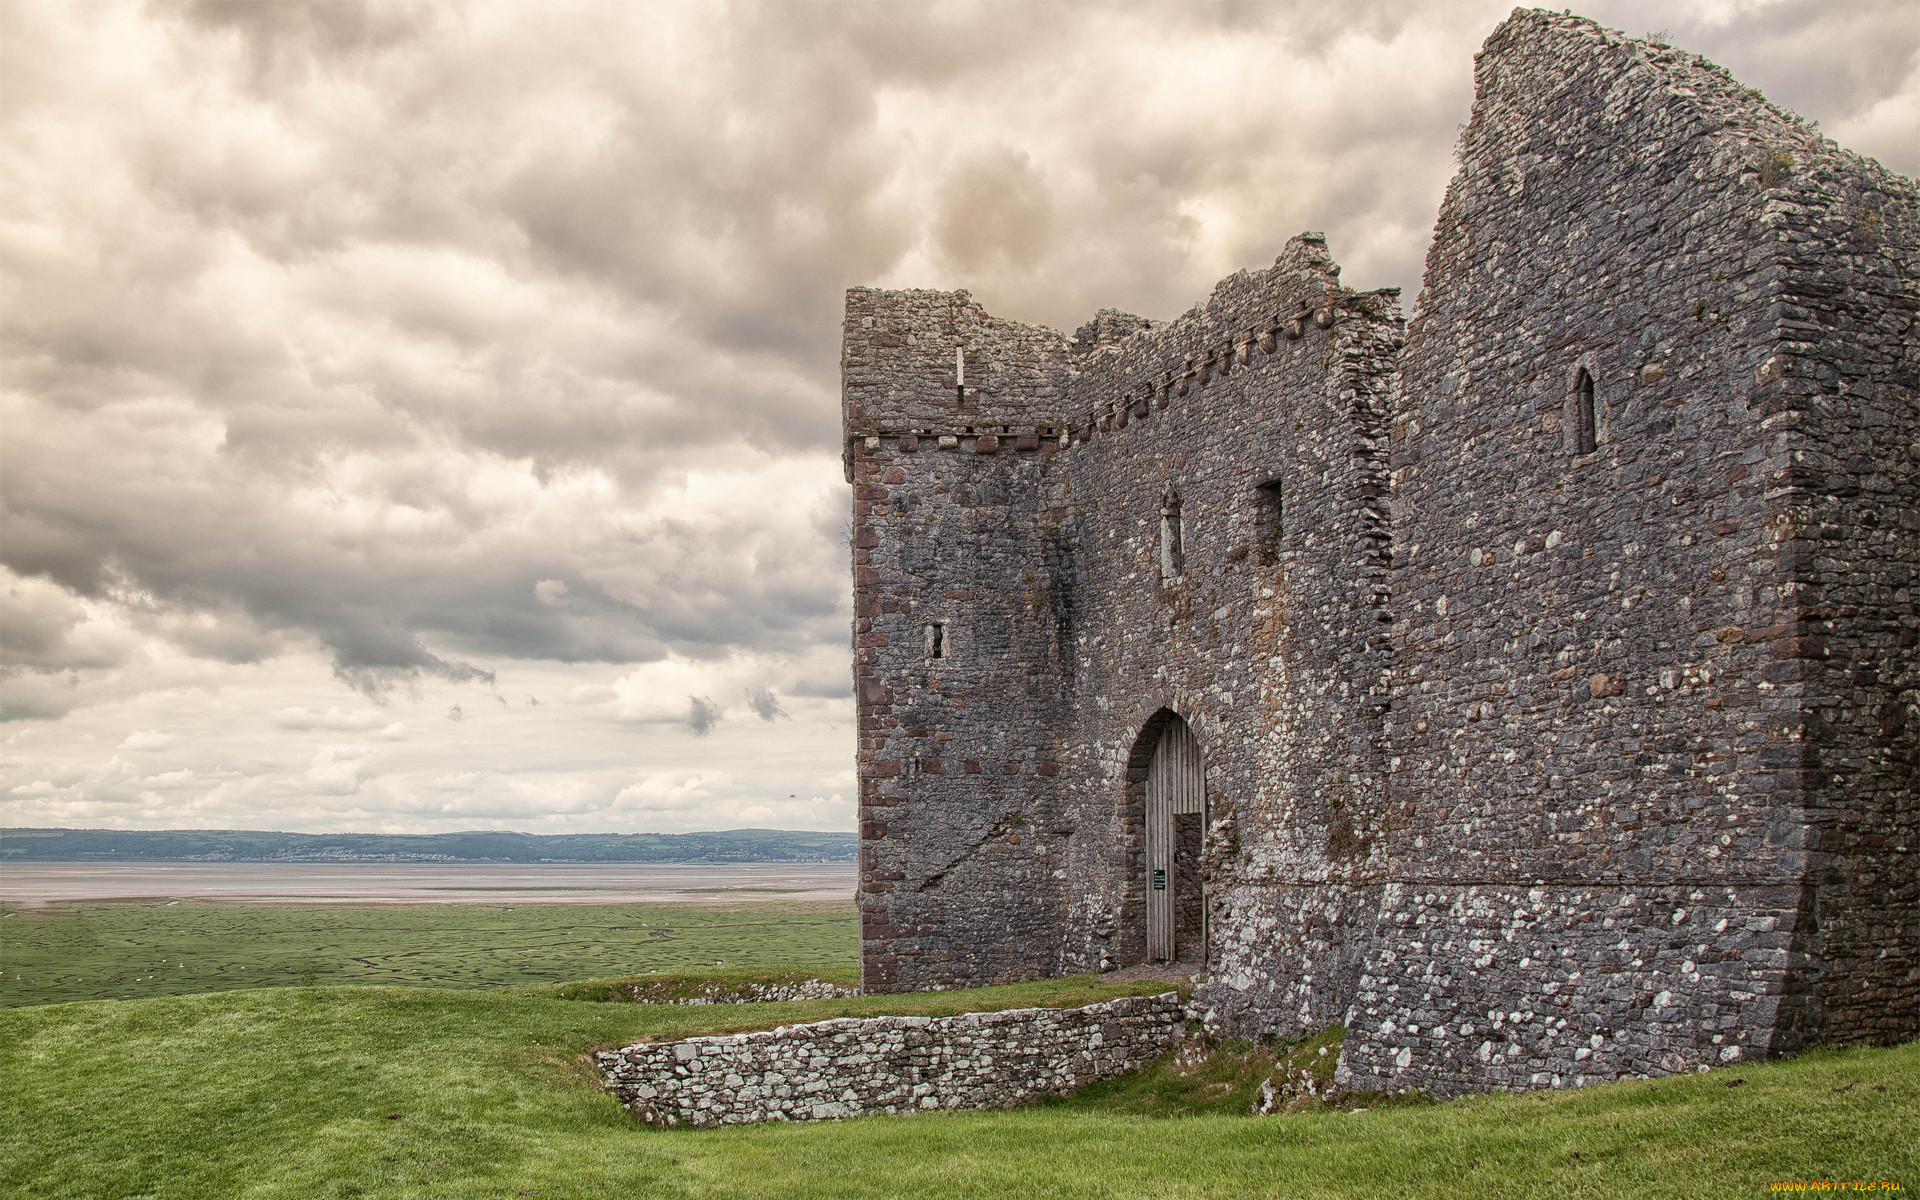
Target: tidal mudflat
{"type": "Point", "coordinates": [33, 883]}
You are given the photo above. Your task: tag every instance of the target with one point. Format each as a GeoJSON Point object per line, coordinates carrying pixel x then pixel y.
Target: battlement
{"type": "Point", "coordinates": [920, 363]}
{"type": "Point", "coordinates": [1250, 317]}
{"type": "Point", "coordinates": [929, 369]}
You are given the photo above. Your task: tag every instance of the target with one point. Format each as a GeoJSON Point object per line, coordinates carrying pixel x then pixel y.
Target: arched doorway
{"type": "Point", "coordinates": [1176, 806]}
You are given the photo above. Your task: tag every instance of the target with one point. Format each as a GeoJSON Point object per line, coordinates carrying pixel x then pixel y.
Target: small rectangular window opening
{"type": "Point", "coordinates": [937, 640]}
{"type": "Point", "coordinates": [1269, 526]}
{"type": "Point", "coordinates": [1585, 429]}
{"type": "Point", "coordinates": [1173, 556]}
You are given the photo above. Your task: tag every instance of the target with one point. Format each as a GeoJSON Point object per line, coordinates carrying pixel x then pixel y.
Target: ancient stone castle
{"type": "Point", "coordinates": [1530, 685]}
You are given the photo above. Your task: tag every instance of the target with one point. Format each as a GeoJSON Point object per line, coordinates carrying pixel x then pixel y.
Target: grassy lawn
{"type": "Point", "coordinates": [402, 1092]}
{"type": "Point", "coordinates": [104, 951]}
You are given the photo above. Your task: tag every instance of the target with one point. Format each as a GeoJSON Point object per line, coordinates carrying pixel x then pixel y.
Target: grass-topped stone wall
{"type": "Point", "coordinates": [853, 1066]}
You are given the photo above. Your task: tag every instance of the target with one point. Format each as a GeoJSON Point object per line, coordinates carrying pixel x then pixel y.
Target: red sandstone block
{"type": "Point", "coordinates": [932, 766]}
{"type": "Point", "coordinates": [972, 766]}
{"type": "Point", "coordinates": [866, 538]}
{"type": "Point", "coordinates": [882, 768]}
{"type": "Point", "coordinates": [986, 444]}
{"type": "Point", "coordinates": [1027, 441]}
{"type": "Point", "coordinates": [1799, 647]}
{"type": "Point", "coordinates": [1047, 768]}
{"type": "Point", "coordinates": [1010, 768]}
{"type": "Point", "coordinates": [895, 475]}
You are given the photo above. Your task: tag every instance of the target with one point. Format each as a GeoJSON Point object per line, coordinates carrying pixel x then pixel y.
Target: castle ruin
{"type": "Point", "coordinates": [1530, 685]}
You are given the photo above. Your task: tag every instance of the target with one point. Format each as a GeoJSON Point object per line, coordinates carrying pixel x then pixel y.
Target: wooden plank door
{"type": "Point", "coordinates": [1175, 784]}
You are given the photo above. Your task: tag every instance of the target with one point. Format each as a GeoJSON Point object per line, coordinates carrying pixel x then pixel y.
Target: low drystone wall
{"type": "Point", "coordinates": [718, 992]}
{"type": "Point", "coordinates": [856, 1065]}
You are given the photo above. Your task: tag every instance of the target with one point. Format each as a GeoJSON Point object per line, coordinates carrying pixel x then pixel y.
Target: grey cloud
{"type": "Point", "coordinates": [702, 715]}
{"type": "Point", "coordinates": [39, 696]}
{"type": "Point", "coordinates": [44, 629]}
{"type": "Point", "coordinates": [766, 705]}
{"type": "Point", "coordinates": [288, 36]}
{"type": "Point", "coordinates": [994, 207]}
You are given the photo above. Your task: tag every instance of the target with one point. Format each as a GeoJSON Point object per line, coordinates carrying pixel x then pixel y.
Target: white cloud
{"type": "Point", "coordinates": [340, 770]}
{"type": "Point", "coordinates": [334, 718]}
{"type": "Point", "coordinates": [146, 739]}
{"type": "Point", "coordinates": [669, 792]}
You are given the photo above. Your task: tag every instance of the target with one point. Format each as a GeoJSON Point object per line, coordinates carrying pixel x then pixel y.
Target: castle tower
{"type": "Point", "coordinates": [951, 417]}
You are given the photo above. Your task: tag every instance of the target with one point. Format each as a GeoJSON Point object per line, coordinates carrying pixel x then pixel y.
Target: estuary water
{"type": "Point", "coordinates": [425, 883]}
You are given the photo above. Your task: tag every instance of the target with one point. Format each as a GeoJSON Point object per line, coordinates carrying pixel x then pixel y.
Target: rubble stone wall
{"type": "Point", "coordinates": [859, 1065]}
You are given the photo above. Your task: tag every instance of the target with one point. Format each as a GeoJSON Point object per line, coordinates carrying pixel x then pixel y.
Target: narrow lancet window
{"type": "Point", "coordinates": [1173, 558]}
{"type": "Point", "coordinates": [1269, 525]}
{"type": "Point", "coordinates": [937, 640]}
{"type": "Point", "coordinates": [1585, 430]}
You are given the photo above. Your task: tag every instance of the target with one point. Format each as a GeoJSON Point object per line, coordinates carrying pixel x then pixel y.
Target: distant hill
{"type": "Point", "coordinates": [246, 845]}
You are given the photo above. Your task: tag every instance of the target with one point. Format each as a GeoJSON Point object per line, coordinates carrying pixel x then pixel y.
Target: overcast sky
{"type": "Point", "coordinates": [425, 417]}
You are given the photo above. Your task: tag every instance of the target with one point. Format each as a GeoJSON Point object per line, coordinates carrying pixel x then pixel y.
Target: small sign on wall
{"type": "Point", "coordinates": [1159, 880]}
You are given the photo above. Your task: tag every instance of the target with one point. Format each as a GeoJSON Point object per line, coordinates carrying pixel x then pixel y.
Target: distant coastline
{"type": "Point", "coordinates": [478, 846]}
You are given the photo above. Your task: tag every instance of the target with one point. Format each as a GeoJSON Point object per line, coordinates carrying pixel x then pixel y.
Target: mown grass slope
{"type": "Point", "coordinates": [405, 1092]}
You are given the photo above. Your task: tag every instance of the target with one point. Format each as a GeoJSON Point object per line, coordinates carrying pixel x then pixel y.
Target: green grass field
{"type": "Point", "coordinates": [414, 1092]}
{"type": "Point", "coordinates": [103, 951]}
{"type": "Point", "coordinates": [468, 1090]}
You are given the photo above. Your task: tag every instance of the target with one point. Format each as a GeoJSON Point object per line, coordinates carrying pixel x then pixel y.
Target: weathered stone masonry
{"type": "Point", "coordinates": [858, 1065]}
{"type": "Point", "coordinates": [1535, 761]}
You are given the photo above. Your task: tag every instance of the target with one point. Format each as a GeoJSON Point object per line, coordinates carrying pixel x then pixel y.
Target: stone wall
{"type": "Point", "coordinates": [859, 1065]}
{"type": "Point", "coordinates": [1537, 755]}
